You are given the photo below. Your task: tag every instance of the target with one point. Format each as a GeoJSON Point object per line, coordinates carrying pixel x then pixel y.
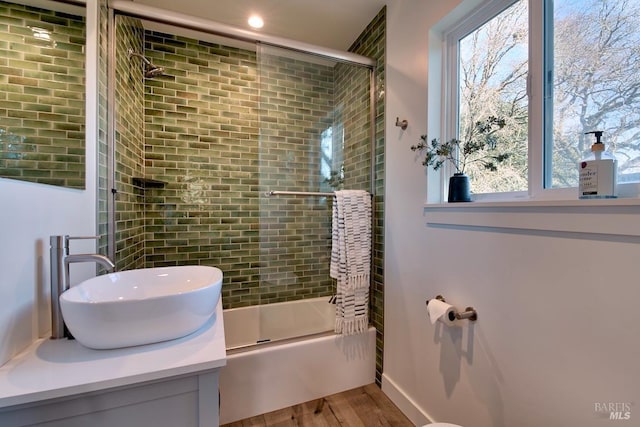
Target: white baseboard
{"type": "Point", "coordinates": [407, 405]}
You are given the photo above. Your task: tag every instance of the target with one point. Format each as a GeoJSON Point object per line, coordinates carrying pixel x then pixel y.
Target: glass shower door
{"type": "Point", "coordinates": [314, 118]}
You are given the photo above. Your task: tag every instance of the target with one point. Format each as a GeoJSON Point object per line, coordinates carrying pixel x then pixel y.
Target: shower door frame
{"type": "Point", "coordinates": [148, 13]}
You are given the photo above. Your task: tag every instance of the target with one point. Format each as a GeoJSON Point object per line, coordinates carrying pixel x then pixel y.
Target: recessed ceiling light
{"type": "Point", "coordinates": [256, 21]}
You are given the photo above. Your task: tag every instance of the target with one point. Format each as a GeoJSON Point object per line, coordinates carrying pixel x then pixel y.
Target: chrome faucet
{"type": "Point", "coordinates": [60, 260]}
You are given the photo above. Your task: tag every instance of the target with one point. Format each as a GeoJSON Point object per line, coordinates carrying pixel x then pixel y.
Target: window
{"type": "Point", "coordinates": [553, 69]}
{"type": "Point", "coordinates": [595, 85]}
{"type": "Point", "coordinates": [331, 159]}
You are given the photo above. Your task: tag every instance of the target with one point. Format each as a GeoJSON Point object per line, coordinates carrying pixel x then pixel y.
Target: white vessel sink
{"type": "Point", "coordinates": [141, 306]}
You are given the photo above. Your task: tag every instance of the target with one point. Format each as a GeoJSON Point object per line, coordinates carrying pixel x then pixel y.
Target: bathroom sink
{"type": "Point", "coordinates": [143, 306]}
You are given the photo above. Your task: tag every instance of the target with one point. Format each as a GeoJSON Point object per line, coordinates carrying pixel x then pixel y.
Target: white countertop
{"type": "Point", "coordinates": [55, 368]}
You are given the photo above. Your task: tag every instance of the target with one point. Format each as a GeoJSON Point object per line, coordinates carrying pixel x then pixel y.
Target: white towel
{"type": "Point", "coordinates": [351, 259]}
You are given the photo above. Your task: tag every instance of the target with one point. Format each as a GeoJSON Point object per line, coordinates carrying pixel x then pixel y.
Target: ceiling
{"type": "Point", "coordinates": [329, 23]}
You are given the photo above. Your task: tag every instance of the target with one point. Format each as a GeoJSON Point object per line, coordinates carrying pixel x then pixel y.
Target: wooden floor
{"type": "Point", "coordinates": [361, 407]}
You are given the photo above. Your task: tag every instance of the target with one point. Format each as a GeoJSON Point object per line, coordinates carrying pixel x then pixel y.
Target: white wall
{"type": "Point", "coordinates": [29, 214]}
{"type": "Point", "coordinates": [557, 330]}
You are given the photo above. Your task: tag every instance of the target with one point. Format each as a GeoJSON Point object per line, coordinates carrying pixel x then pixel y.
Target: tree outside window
{"type": "Point", "coordinates": [592, 83]}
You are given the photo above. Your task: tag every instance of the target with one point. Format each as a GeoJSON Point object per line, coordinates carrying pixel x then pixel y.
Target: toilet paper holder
{"type": "Point", "coordinates": [469, 313]}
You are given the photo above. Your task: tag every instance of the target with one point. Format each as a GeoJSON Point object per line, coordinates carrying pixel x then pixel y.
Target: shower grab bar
{"type": "Point", "coordinates": [299, 193]}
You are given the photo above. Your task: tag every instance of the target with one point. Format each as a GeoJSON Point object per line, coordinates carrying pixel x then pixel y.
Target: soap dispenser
{"type": "Point", "coordinates": [598, 172]}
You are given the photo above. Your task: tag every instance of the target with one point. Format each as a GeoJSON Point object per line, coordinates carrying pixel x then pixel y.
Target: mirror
{"type": "Point", "coordinates": [42, 94]}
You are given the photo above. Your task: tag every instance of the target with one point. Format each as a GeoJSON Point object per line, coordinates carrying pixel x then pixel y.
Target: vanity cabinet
{"type": "Point", "coordinates": [187, 401]}
{"type": "Point", "coordinates": [60, 383]}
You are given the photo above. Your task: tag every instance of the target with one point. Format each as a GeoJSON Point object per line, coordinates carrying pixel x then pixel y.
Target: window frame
{"type": "Point", "coordinates": [540, 51]}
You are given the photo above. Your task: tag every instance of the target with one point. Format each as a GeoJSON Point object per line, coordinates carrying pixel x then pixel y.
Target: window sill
{"type": "Point", "coordinates": [561, 216]}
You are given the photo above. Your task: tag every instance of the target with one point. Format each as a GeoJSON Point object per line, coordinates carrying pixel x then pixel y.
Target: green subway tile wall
{"type": "Point", "coordinates": [220, 146]}
{"type": "Point", "coordinates": [201, 136]}
{"type": "Point", "coordinates": [371, 43]}
{"type": "Point", "coordinates": [129, 141]}
{"type": "Point", "coordinates": [42, 96]}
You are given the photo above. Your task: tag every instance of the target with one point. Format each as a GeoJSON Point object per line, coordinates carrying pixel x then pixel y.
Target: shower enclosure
{"type": "Point", "coordinates": [195, 150]}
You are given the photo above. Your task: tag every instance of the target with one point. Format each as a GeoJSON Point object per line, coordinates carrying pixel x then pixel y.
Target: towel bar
{"type": "Point", "coordinates": [299, 193]}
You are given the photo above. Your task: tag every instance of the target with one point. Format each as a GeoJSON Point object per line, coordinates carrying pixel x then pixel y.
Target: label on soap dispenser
{"type": "Point", "coordinates": [588, 185]}
{"type": "Point", "coordinates": [597, 179]}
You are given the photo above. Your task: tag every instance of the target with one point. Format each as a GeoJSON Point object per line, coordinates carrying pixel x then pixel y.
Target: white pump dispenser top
{"type": "Point", "coordinates": [598, 147]}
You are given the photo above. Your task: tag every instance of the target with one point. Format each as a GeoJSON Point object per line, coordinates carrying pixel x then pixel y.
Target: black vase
{"type": "Point", "coordinates": [459, 190]}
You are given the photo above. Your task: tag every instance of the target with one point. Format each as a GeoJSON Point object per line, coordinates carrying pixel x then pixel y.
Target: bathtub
{"type": "Point", "coordinates": [268, 369]}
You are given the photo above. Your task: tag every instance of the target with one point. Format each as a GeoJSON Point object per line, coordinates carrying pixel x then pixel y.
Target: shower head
{"type": "Point", "coordinates": [150, 70]}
